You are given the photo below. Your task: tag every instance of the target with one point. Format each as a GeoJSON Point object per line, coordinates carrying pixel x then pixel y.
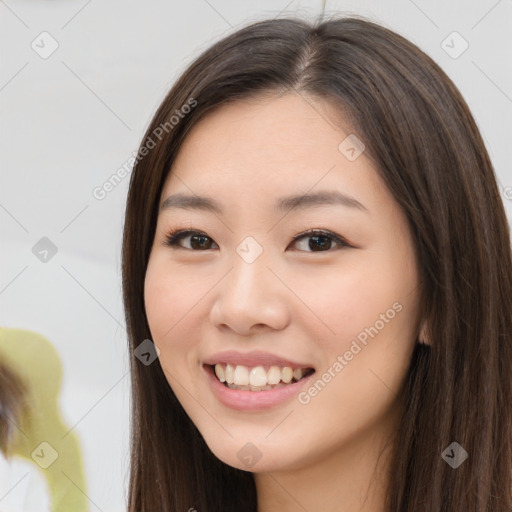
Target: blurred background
{"type": "Point", "coordinates": [79, 83]}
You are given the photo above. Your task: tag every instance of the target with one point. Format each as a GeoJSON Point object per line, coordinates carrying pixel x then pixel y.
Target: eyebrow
{"type": "Point", "coordinates": [284, 204]}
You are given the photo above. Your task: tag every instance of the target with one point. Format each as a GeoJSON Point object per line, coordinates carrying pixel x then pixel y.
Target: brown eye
{"type": "Point", "coordinates": [198, 241]}
{"type": "Point", "coordinates": [321, 241]}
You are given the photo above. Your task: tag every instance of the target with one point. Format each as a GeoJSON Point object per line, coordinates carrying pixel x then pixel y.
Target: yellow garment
{"type": "Point", "coordinates": [42, 437]}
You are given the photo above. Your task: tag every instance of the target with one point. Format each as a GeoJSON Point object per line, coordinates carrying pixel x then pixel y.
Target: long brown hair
{"type": "Point", "coordinates": [422, 138]}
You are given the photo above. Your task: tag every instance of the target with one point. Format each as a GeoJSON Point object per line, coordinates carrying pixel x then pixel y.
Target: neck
{"type": "Point", "coordinates": [353, 477]}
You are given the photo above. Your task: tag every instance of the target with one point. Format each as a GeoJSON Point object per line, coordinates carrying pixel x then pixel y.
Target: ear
{"type": "Point", "coordinates": [422, 336]}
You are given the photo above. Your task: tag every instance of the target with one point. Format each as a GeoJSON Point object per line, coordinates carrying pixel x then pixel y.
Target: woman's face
{"type": "Point", "coordinates": [253, 289]}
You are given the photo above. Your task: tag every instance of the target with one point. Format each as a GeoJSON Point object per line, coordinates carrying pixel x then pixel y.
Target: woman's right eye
{"type": "Point", "coordinates": [198, 240]}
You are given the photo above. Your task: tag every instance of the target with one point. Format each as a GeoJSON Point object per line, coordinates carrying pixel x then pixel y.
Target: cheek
{"type": "Point", "coordinates": [166, 302]}
{"type": "Point", "coordinates": [176, 314]}
{"type": "Point", "coordinates": [158, 300]}
{"type": "Point", "coordinates": [166, 308]}
{"type": "Point", "coordinates": [168, 295]}
{"type": "Point", "coordinates": [374, 301]}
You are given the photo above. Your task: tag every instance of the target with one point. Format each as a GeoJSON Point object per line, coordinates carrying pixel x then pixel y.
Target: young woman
{"type": "Point", "coordinates": [317, 280]}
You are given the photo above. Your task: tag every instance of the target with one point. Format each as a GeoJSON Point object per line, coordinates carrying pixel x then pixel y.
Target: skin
{"type": "Point", "coordinates": [295, 300]}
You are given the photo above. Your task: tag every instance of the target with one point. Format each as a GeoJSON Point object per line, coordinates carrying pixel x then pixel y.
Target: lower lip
{"type": "Point", "coordinates": [253, 400]}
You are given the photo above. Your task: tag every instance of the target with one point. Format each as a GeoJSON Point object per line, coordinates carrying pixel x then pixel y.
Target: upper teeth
{"type": "Point", "coordinates": [244, 376]}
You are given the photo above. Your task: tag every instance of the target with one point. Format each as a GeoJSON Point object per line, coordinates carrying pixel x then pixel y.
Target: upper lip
{"type": "Point", "coordinates": [253, 359]}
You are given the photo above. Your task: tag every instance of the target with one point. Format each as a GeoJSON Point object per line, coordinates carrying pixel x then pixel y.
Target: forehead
{"type": "Point", "coordinates": [272, 129]}
{"type": "Point", "coordinates": [264, 147]}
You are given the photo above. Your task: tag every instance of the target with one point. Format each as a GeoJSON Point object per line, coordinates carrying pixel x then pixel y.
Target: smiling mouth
{"type": "Point", "coordinates": [258, 378]}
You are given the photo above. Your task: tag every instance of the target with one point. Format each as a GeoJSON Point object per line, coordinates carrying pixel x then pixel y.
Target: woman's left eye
{"type": "Point", "coordinates": [320, 240]}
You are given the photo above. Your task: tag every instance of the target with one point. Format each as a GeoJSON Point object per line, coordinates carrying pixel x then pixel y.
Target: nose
{"type": "Point", "coordinates": [250, 298]}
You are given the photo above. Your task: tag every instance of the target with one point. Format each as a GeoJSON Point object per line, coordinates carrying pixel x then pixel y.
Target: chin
{"type": "Point", "coordinates": [256, 457]}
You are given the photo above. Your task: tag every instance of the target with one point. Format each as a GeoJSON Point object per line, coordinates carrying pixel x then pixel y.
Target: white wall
{"type": "Point", "coordinates": [71, 120]}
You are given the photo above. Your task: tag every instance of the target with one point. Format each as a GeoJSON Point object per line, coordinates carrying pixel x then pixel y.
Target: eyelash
{"type": "Point", "coordinates": [173, 237]}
